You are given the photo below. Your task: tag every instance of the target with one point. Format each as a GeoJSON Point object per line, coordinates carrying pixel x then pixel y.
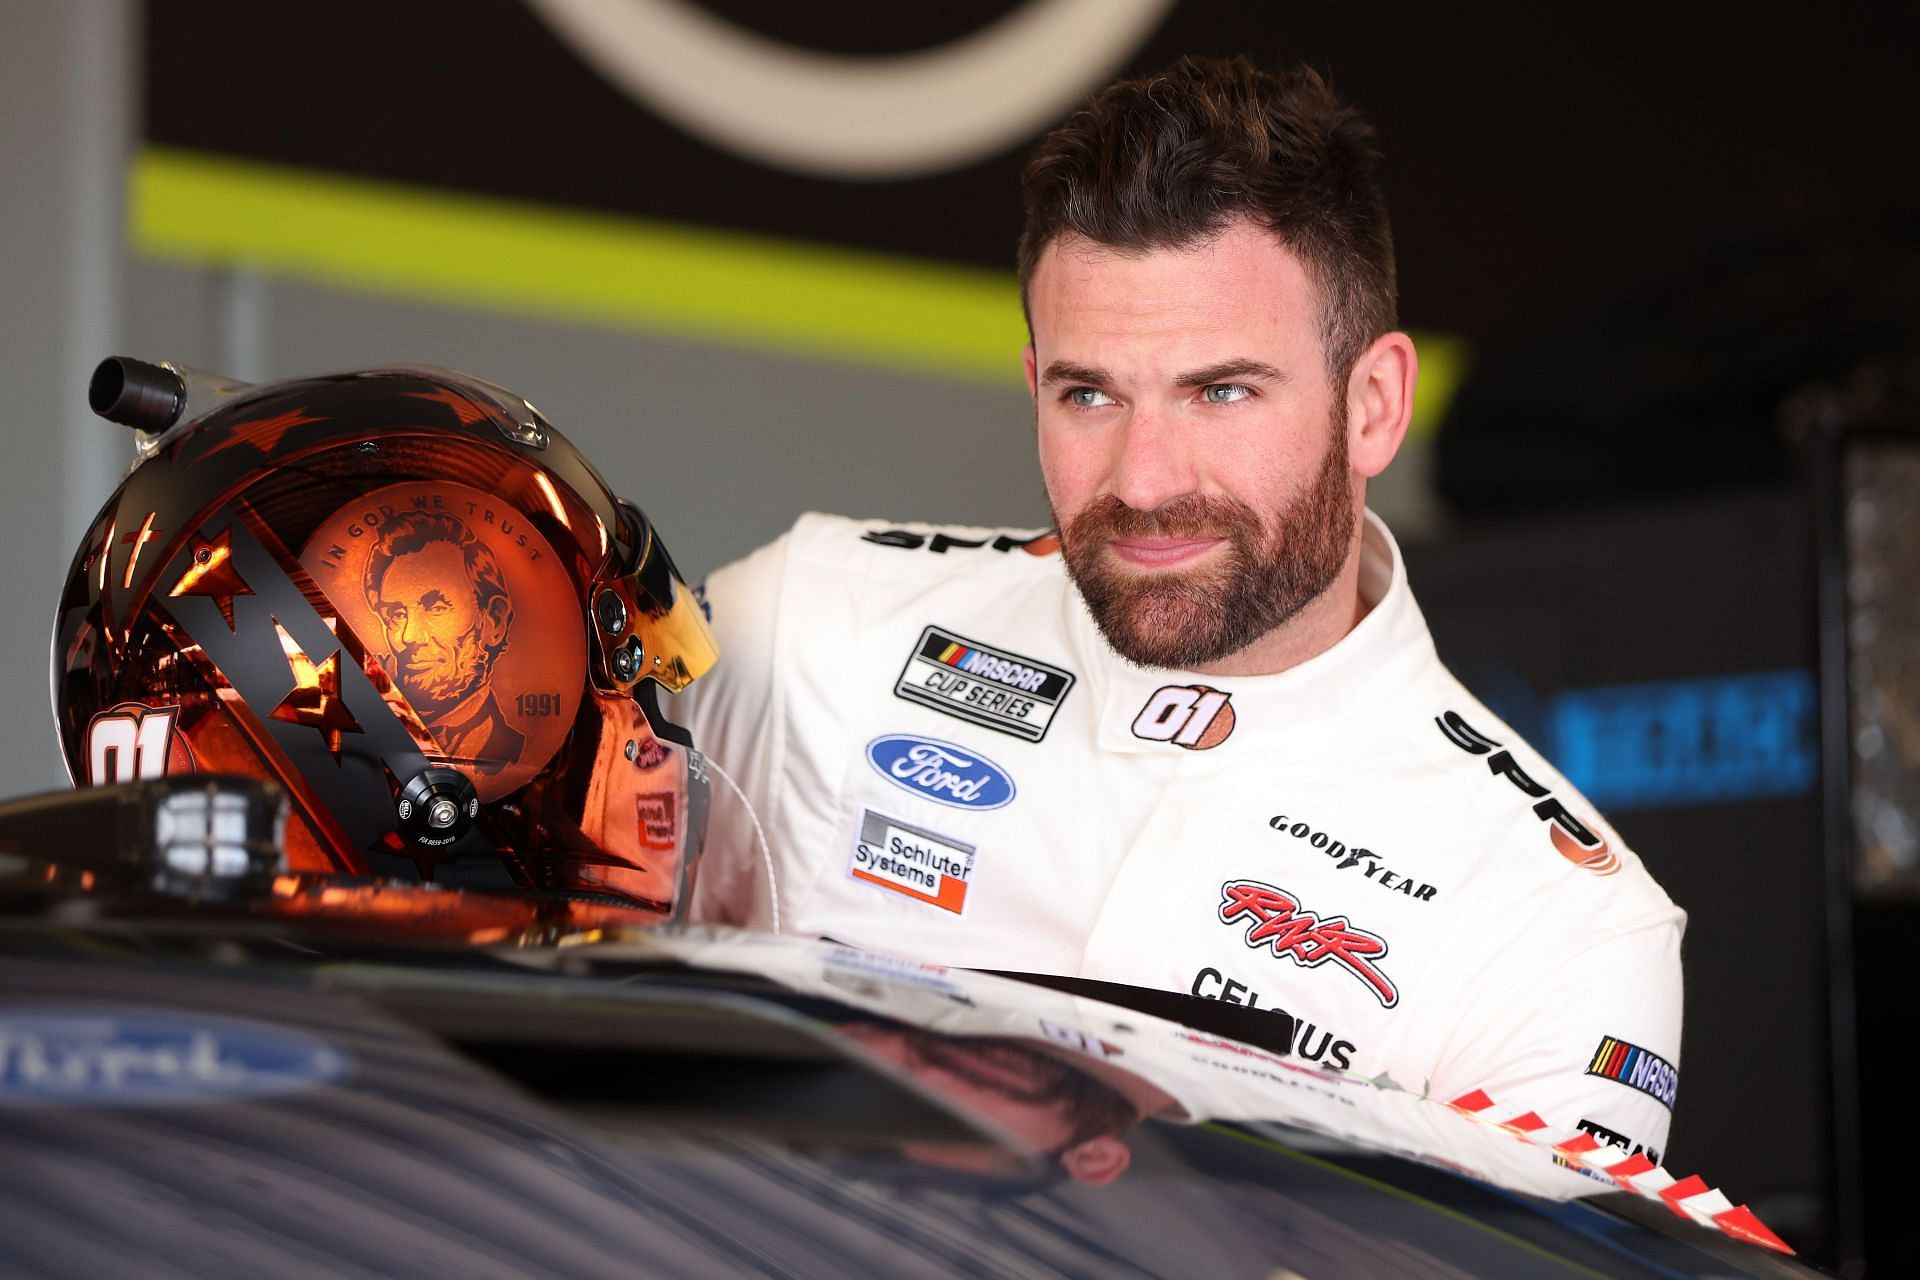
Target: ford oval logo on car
{"type": "Point", "coordinates": [154, 1057]}
{"type": "Point", "coordinates": [940, 771]}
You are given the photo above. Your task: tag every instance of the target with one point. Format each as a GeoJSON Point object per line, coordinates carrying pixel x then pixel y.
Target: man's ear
{"type": "Point", "coordinates": [1028, 359]}
{"type": "Point", "coordinates": [1380, 402]}
{"type": "Point", "coordinates": [1097, 1161]}
{"type": "Point", "coordinates": [494, 620]}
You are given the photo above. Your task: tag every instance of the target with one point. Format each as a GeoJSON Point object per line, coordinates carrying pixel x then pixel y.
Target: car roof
{"type": "Point", "coordinates": [698, 1102]}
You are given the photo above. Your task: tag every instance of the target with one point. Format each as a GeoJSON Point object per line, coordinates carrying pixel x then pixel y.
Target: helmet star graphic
{"type": "Point", "coordinates": [213, 574]}
{"type": "Point", "coordinates": [315, 698]}
{"type": "Point", "coordinates": [464, 409]}
{"type": "Point", "coordinates": [263, 433]}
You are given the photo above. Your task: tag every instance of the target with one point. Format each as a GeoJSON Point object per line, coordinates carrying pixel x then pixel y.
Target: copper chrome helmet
{"type": "Point", "coordinates": [406, 598]}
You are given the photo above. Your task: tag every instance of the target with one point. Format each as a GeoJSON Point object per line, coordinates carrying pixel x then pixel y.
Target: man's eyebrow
{"type": "Point", "coordinates": [1228, 371]}
{"type": "Point", "coordinates": [1068, 371]}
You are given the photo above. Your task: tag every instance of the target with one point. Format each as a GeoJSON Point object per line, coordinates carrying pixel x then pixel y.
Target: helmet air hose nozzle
{"type": "Point", "coordinates": [133, 393]}
{"type": "Point", "coordinates": [153, 399]}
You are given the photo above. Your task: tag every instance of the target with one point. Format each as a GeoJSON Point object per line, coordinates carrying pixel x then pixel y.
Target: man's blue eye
{"type": "Point", "coordinates": [1226, 393]}
{"type": "Point", "coordinates": [1088, 397]}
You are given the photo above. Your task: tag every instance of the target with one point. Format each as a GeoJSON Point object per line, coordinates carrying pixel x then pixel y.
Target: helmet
{"type": "Point", "coordinates": [402, 595]}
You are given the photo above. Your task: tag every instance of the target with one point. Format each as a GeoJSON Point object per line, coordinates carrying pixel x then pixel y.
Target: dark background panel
{"type": "Point", "coordinates": [1524, 609]}
{"type": "Point", "coordinates": [1540, 158]}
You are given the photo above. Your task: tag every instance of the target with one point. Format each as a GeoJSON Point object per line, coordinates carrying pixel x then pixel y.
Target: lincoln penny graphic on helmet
{"type": "Point", "coordinates": [467, 609]}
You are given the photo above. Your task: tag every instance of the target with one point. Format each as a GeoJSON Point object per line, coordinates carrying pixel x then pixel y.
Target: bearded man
{"type": "Point", "coordinates": [1197, 739]}
{"type": "Point", "coordinates": [440, 598]}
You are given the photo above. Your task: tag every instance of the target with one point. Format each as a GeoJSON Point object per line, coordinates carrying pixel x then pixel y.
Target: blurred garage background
{"type": "Point", "coordinates": [1661, 504]}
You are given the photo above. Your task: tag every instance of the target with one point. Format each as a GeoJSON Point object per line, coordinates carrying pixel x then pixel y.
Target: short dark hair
{"type": "Point", "coordinates": [1167, 160]}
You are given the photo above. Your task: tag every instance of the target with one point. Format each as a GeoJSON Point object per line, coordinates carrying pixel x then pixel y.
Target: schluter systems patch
{"type": "Point", "coordinates": [987, 686]}
{"type": "Point", "coordinates": [912, 861]}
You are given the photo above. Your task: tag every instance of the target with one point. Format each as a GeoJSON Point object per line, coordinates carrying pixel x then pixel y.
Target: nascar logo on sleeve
{"type": "Point", "coordinates": [989, 687]}
{"type": "Point", "coordinates": [1636, 1068]}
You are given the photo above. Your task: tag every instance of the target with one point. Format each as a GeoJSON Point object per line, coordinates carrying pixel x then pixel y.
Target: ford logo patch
{"type": "Point", "coordinates": [940, 771]}
{"type": "Point", "coordinates": [153, 1057]}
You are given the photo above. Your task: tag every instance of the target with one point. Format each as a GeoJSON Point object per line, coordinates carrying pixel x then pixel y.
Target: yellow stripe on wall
{"type": "Point", "coordinates": [566, 264]}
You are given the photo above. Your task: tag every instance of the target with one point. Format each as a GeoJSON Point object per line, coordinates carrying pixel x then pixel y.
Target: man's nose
{"type": "Point", "coordinates": [1151, 465]}
{"type": "Point", "coordinates": [413, 630]}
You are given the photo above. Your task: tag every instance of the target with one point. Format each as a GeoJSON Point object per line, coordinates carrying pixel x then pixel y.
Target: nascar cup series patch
{"type": "Point", "coordinates": [989, 687]}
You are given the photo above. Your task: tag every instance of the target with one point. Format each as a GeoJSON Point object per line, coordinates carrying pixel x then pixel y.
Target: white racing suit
{"type": "Point", "coordinates": [951, 764]}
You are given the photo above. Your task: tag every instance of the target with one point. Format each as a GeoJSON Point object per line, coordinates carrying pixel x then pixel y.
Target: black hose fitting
{"type": "Point", "coordinates": [133, 393]}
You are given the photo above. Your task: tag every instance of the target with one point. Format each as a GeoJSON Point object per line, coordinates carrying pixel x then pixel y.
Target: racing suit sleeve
{"type": "Point", "coordinates": [735, 715]}
{"type": "Point", "coordinates": [1591, 1040]}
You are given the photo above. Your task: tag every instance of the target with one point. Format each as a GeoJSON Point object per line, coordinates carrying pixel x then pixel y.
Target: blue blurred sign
{"type": "Point", "coordinates": [1708, 740]}
{"type": "Point", "coordinates": [154, 1057]}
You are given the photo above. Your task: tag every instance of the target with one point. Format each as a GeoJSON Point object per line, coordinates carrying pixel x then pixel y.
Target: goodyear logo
{"type": "Point", "coordinates": [990, 687]}
{"type": "Point", "coordinates": [1636, 1068]}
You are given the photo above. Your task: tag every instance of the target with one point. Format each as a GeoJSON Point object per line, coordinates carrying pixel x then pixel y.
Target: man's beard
{"type": "Point", "coordinates": [438, 688]}
{"type": "Point", "coordinates": [1269, 571]}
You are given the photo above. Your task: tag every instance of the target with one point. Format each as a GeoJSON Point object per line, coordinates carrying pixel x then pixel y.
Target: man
{"type": "Point", "coordinates": [1200, 740]}
{"type": "Point", "coordinates": [438, 592]}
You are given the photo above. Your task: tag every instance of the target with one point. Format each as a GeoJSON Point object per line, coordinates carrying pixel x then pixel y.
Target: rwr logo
{"type": "Point", "coordinates": [1274, 918]}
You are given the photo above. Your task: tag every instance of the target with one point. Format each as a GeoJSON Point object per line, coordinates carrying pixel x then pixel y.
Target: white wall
{"type": "Point", "coordinates": [66, 90]}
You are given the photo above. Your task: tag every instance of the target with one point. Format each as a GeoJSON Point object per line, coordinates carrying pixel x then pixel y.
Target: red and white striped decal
{"type": "Point", "coordinates": [1689, 1197]}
